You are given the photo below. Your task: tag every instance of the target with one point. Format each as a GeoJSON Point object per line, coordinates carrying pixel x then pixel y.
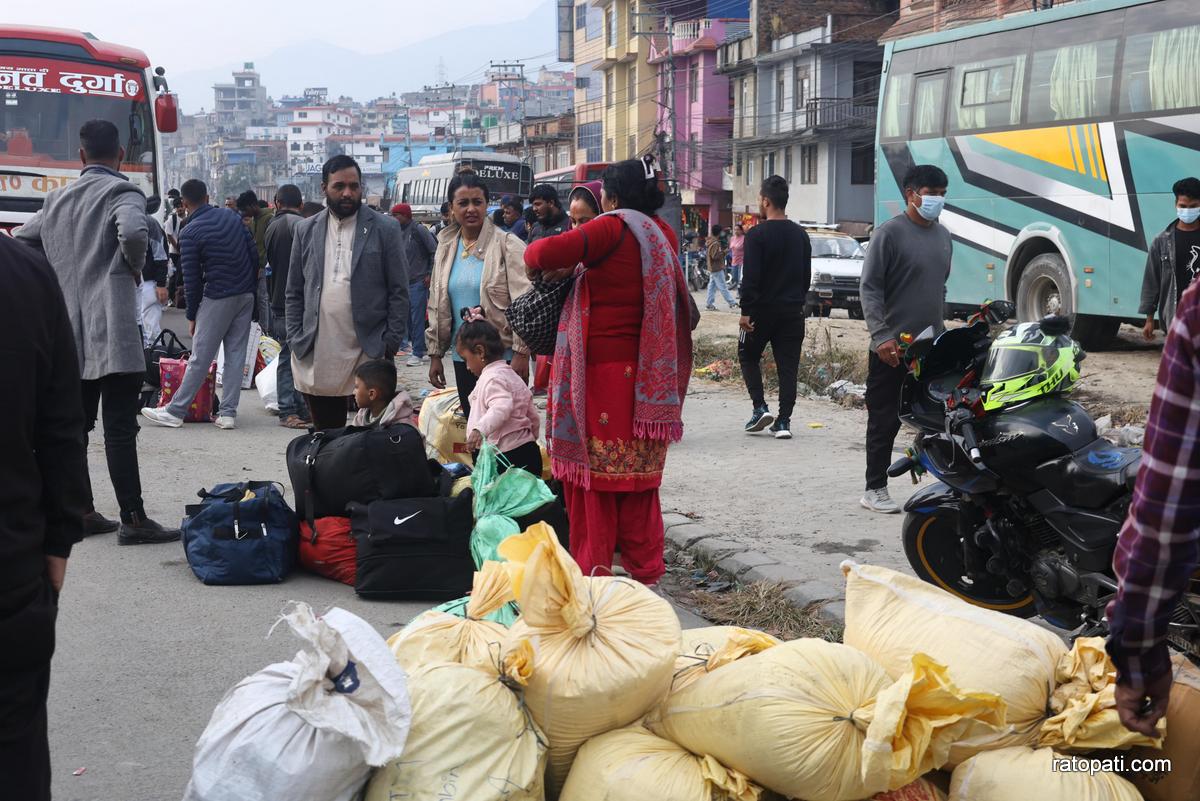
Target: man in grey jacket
{"type": "Point", "coordinates": [347, 293]}
{"type": "Point", "coordinates": [1173, 260]}
{"type": "Point", "coordinates": [419, 247]}
{"type": "Point", "coordinates": [94, 233]}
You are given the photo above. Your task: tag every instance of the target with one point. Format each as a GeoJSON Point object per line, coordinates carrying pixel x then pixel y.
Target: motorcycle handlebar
{"type": "Point", "coordinates": [970, 444]}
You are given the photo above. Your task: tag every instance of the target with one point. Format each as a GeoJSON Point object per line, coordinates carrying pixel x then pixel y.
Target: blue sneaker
{"type": "Point", "coordinates": [759, 420]}
{"type": "Point", "coordinates": [782, 428]}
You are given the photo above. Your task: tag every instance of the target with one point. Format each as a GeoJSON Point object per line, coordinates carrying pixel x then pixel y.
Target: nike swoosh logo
{"type": "Point", "coordinates": [401, 521]}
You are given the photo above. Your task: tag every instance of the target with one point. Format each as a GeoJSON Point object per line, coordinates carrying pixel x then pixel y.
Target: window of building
{"type": "Point", "coordinates": [595, 26]}
{"type": "Point", "coordinates": [610, 150]}
{"type": "Point", "coordinates": [867, 75]}
{"type": "Point", "coordinates": [610, 26]}
{"type": "Point", "coordinates": [779, 83]}
{"type": "Point", "coordinates": [862, 163]}
{"type": "Point", "coordinates": [749, 170]}
{"type": "Point", "coordinates": [308, 146]}
{"type": "Point", "coordinates": [302, 114]}
{"type": "Point", "coordinates": [929, 105]}
{"type": "Point", "coordinates": [631, 88]}
{"type": "Point", "coordinates": [295, 147]}
{"type": "Point", "coordinates": [787, 164]}
{"type": "Point", "coordinates": [693, 152]}
{"type": "Point", "coordinates": [296, 130]}
{"type": "Point", "coordinates": [808, 164]}
{"type": "Point", "coordinates": [1072, 82]}
{"type": "Point", "coordinates": [631, 146]}
{"type": "Point", "coordinates": [802, 90]}
{"type": "Point", "coordinates": [744, 107]}
{"type": "Point", "coordinates": [737, 165]}
{"type": "Point", "coordinates": [633, 17]}
{"type": "Point", "coordinates": [608, 89]}
{"type": "Point", "coordinates": [581, 17]}
{"type": "Point", "coordinates": [693, 81]}
{"type": "Point", "coordinates": [766, 167]}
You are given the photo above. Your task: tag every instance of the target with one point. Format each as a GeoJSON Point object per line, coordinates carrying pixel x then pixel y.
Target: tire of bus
{"type": "Point", "coordinates": [1046, 280]}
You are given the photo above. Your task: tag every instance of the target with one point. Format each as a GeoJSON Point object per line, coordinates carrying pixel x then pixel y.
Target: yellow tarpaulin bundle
{"type": "Point", "coordinates": [891, 617]}
{"type": "Point", "coordinates": [435, 636]}
{"type": "Point", "coordinates": [1084, 706]}
{"type": "Point", "coordinates": [1023, 774]}
{"type": "Point", "coordinates": [471, 739]}
{"type": "Point", "coordinates": [820, 721]}
{"type": "Point", "coordinates": [633, 764]}
{"type": "Point", "coordinates": [707, 649]}
{"type": "Point", "coordinates": [604, 648]}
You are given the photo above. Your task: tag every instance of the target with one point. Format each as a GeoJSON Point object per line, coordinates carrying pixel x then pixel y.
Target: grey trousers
{"type": "Point", "coordinates": [219, 320]}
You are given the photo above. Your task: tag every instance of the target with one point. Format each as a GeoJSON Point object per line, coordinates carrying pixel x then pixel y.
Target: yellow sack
{"type": "Point", "coordinates": [1084, 704]}
{"type": "Point", "coordinates": [444, 427]}
{"type": "Point", "coordinates": [820, 721]}
{"type": "Point", "coordinates": [604, 648]}
{"type": "Point", "coordinates": [471, 739]}
{"type": "Point", "coordinates": [1022, 774]}
{"type": "Point", "coordinates": [435, 636]}
{"type": "Point", "coordinates": [891, 616]}
{"type": "Point", "coordinates": [706, 649]}
{"type": "Point", "coordinates": [632, 764]}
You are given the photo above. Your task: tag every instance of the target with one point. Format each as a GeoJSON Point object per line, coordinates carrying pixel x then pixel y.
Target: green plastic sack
{"type": "Point", "coordinates": [505, 615]}
{"type": "Point", "coordinates": [500, 497]}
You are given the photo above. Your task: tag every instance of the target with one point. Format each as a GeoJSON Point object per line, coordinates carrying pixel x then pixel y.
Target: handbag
{"type": "Point", "coordinates": [201, 409]}
{"type": "Point", "coordinates": [240, 534]}
{"type": "Point", "coordinates": [165, 346]}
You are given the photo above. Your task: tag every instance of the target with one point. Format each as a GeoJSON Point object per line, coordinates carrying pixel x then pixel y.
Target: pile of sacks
{"type": "Point", "coordinates": [594, 694]}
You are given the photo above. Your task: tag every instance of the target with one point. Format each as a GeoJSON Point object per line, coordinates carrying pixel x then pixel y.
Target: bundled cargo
{"type": "Point", "coordinates": [437, 636]}
{"type": "Point", "coordinates": [920, 790]}
{"type": "Point", "coordinates": [604, 648]}
{"type": "Point", "coordinates": [472, 738]}
{"type": "Point", "coordinates": [1023, 774]}
{"type": "Point", "coordinates": [633, 764]}
{"type": "Point", "coordinates": [821, 721]}
{"type": "Point", "coordinates": [706, 649]}
{"type": "Point", "coordinates": [891, 617]}
{"type": "Point", "coordinates": [1173, 774]}
{"type": "Point", "coordinates": [508, 503]}
{"type": "Point", "coordinates": [310, 729]}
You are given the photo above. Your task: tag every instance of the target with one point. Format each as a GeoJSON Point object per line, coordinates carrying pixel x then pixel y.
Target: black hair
{"type": "Point", "coordinates": [584, 194]}
{"type": "Point", "coordinates": [775, 190]}
{"type": "Point", "coordinates": [247, 201]}
{"type": "Point", "coordinates": [498, 216]}
{"type": "Point", "coordinates": [289, 196]}
{"type": "Point", "coordinates": [446, 207]}
{"type": "Point", "coordinates": [510, 202]}
{"type": "Point", "coordinates": [194, 191]}
{"type": "Point", "coordinates": [925, 175]}
{"type": "Point", "coordinates": [529, 215]}
{"type": "Point", "coordinates": [172, 193]}
{"type": "Point", "coordinates": [627, 182]}
{"type": "Point", "coordinates": [716, 230]}
{"type": "Point", "coordinates": [337, 164]}
{"type": "Point", "coordinates": [1187, 187]}
{"type": "Point", "coordinates": [481, 332]}
{"type": "Point", "coordinates": [153, 204]}
{"type": "Point", "coordinates": [545, 192]}
{"type": "Point", "coordinates": [379, 374]}
{"type": "Point", "coordinates": [466, 180]}
{"type": "Point", "coordinates": [311, 208]}
{"type": "Point", "coordinates": [100, 140]}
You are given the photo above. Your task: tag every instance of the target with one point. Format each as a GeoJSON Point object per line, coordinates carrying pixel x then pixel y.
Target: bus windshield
{"type": "Point", "coordinates": [45, 101]}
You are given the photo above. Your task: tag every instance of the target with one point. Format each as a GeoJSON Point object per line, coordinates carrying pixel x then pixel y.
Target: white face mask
{"type": "Point", "coordinates": [1188, 216]}
{"type": "Point", "coordinates": [930, 207]}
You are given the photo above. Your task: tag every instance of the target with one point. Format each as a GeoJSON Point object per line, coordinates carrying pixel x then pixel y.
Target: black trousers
{"type": "Point", "coordinates": [528, 457]}
{"type": "Point", "coordinates": [327, 411]}
{"type": "Point", "coordinates": [116, 399]}
{"type": "Point", "coordinates": [464, 382]}
{"type": "Point", "coordinates": [26, 646]}
{"type": "Point", "coordinates": [783, 330]}
{"type": "Point", "coordinates": [883, 417]}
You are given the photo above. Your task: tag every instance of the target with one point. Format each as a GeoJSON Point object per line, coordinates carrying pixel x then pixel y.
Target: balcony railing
{"type": "Point", "coordinates": [841, 112]}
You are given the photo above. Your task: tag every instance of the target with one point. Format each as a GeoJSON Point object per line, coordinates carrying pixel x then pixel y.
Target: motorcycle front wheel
{"type": "Point", "coordinates": [934, 550]}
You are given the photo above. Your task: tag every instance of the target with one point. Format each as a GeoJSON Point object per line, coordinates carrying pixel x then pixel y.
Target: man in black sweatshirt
{"type": "Point", "coordinates": [776, 272]}
{"type": "Point", "coordinates": [44, 494]}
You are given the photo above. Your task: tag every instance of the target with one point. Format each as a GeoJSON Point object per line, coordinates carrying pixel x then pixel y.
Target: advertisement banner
{"type": "Point", "coordinates": [65, 77]}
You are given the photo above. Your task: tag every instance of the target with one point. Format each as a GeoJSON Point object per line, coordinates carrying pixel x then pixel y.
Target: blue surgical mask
{"type": "Point", "coordinates": [1188, 216]}
{"type": "Point", "coordinates": [931, 206]}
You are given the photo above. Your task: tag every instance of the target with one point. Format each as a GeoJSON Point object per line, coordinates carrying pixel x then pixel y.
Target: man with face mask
{"type": "Point", "coordinates": [347, 293]}
{"type": "Point", "coordinates": [1173, 260]}
{"type": "Point", "coordinates": [903, 292]}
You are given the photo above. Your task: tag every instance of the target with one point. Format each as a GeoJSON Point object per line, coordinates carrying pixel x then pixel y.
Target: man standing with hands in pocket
{"type": "Point", "coordinates": [903, 291]}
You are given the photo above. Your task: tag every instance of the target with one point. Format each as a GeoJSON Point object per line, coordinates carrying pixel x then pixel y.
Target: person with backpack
{"type": "Point", "coordinates": [714, 254]}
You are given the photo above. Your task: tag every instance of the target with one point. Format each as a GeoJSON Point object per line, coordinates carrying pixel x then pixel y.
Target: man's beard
{"type": "Point", "coordinates": [343, 208]}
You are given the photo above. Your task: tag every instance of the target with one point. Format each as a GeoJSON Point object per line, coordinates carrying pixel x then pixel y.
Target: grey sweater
{"type": "Point", "coordinates": [904, 279]}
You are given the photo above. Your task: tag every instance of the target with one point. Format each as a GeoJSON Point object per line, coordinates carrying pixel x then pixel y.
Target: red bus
{"type": "Point", "coordinates": [51, 82]}
{"type": "Point", "coordinates": [567, 178]}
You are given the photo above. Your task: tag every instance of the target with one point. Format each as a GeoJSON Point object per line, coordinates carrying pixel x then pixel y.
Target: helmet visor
{"type": "Point", "coordinates": [1011, 362]}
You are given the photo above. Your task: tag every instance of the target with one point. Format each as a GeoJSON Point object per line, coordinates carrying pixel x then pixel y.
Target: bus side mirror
{"type": "Point", "coordinates": [166, 113]}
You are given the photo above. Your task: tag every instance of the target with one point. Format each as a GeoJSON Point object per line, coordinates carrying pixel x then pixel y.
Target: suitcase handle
{"type": "Point", "coordinates": [310, 501]}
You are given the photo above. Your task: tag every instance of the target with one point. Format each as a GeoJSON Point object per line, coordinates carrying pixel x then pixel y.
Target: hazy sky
{"type": "Point", "coordinates": [195, 35]}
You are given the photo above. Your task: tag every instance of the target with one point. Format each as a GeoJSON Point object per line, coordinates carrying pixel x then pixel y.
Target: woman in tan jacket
{"type": "Point", "coordinates": [476, 264]}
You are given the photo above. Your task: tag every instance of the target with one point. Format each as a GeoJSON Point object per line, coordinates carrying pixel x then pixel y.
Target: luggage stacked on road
{"type": "Point", "coordinates": [240, 534]}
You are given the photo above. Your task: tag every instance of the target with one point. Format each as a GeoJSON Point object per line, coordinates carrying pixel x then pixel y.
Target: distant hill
{"type": "Point", "coordinates": [289, 70]}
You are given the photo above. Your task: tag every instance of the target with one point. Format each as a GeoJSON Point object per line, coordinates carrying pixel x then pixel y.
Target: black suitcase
{"type": "Point", "coordinates": [553, 514]}
{"type": "Point", "coordinates": [332, 469]}
{"type": "Point", "coordinates": [414, 549]}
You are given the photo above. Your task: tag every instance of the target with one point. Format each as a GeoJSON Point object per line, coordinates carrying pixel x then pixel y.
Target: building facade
{"type": "Point", "coordinates": [242, 102]}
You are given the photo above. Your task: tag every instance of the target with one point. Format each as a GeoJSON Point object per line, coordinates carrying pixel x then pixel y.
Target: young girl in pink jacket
{"type": "Point", "coordinates": [502, 410]}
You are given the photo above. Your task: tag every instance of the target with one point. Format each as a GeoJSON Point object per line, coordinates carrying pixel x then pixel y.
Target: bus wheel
{"type": "Point", "coordinates": [1045, 289]}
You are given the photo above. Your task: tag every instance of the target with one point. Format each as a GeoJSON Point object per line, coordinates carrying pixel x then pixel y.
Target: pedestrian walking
{"type": "Point", "coordinates": [94, 233]}
{"type": "Point", "coordinates": [551, 219]}
{"type": "Point", "coordinates": [219, 272]}
{"type": "Point", "coordinates": [737, 255]}
{"type": "Point", "coordinates": [419, 247]}
{"type": "Point", "coordinates": [778, 270]}
{"type": "Point", "coordinates": [1159, 545]}
{"type": "Point", "coordinates": [444, 219]}
{"type": "Point", "coordinates": [172, 228]}
{"type": "Point", "coordinates": [43, 472]}
{"type": "Point", "coordinates": [1174, 259]}
{"type": "Point", "coordinates": [903, 292]}
{"type": "Point", "coordinates": [152, 292]}
{"type": "Point", "coordinates": [258, 218]}
{"type": "Point", "coordinates": [714, 254]}
{"type": "Point", "coordinates": [347, 293]}
{"type": "Point", "coordinates": [621, 371]}
{"type": "Point", "coordinates": [289, 203]}
{"type": "Point", "coordinates": [476, 264]}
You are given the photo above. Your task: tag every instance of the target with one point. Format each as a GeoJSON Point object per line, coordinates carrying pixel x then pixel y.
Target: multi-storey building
{"type": "Point", "coordinates": [308, 130]}
{"type": "Point", "coordinates": [241, 103]}
{"type": "Point", "coordinates": [547, 142]}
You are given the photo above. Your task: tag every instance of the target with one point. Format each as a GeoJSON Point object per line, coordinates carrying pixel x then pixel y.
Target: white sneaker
{"type": "Point", "coordinates": [414, 361]}
{"type": "Point", "coordinates": [162, 417]}
{"type": "Point", "coordinates": [878, 500]}
{"type": "Point", "coordinates": [226, 423]}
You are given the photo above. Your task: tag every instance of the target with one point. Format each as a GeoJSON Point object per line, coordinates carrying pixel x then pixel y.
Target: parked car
{"type": "Point", "coordinates": [837, 263]}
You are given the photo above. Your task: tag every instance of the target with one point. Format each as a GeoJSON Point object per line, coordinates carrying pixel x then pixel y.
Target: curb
{"type": "Point", "coordinates": [749, 566]}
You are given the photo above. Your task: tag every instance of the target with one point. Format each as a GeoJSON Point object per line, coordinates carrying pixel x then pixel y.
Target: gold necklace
{"type": "Point", "coordinates": [468, 247]}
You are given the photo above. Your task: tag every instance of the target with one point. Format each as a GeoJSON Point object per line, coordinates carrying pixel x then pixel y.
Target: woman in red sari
{"type": "Point", "coordinates": [620, 371]}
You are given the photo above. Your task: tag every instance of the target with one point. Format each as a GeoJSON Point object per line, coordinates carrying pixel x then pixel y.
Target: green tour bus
{"type": "Point", "coordinates": [1062, 132]}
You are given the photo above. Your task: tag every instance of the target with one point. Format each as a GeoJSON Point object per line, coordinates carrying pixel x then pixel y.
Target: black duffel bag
{"type": "Point", "coordinates": [414, 548]}
{"type": "Point", "coordinates": [332, 469]}
{"type": "Point", "coordinates": [165, 346]}
{"type": "Point", "coordinates": [553, 514]}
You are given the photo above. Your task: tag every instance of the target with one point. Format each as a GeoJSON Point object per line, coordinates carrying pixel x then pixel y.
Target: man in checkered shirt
{"type": "Point", "coordinates": [1160, 543]}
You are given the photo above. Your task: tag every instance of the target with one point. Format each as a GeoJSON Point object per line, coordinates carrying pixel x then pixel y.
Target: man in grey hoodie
{"type": "Point", "coordinates": [1173, 260]}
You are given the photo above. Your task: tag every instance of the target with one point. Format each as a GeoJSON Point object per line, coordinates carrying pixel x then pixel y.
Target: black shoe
{"type": "Point", "coordinates": [782, 428]}
{"type": "Point", "coordinates": [95, 523]}
{"type": "Point", "coordinates": [759, 420]}
{"type": "Point", "coordinates": [146, 532]}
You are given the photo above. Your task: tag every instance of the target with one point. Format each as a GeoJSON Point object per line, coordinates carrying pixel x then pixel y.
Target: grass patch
{"type": "Point", "coordinates": [821, 363]}
{"type": "Point", "coordinates": [762, 605]}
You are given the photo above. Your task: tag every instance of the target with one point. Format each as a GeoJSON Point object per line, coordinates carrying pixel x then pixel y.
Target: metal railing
{"type": "Point", "coordinates": [841, 112]}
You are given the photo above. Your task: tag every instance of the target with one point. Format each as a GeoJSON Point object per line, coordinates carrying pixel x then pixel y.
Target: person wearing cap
{"type": "Point", "coordinates": [419, 247]}
{"type": "Point", "coordinates": [514, 217]}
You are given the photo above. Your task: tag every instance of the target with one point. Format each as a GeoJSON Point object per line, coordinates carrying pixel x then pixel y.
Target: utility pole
{"type": "Point", "coordinates": [666, 142]}
{"type": "Point", "coordinates": [505, 73]}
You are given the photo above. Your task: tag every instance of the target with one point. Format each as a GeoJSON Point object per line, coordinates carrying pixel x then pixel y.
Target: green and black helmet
{"type": "Point", "coordinates": [1030, 361]}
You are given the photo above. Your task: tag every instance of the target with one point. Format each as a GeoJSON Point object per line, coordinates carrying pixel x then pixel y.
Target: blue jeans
{"type": "Point", "coordinates": [418, 297]}
{"type": "Point", "coordinates": [736, 271]}
{"type": "Point", "coordinates": [289, 399]}
{"type": "Point", "coordinates": [716, 281]}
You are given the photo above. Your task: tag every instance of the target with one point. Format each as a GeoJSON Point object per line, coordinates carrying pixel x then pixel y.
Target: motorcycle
{"type": "Point", "coordinates": [1029, 500]}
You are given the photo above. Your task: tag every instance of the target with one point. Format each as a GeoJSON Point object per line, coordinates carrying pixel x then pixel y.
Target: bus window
{"type": "Point", "coordinates": [896, 106]}
{"type": "Point", "coordinates": [406, 193]}
{"type": "Point", "coordinates": [1159, 71]}
{"type": "Point", "coordinates": [929, 105]}
{"type": "Point", "coordinates": [1072, 77]}
{"type": "Point", "coordinates": [988, 93]}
